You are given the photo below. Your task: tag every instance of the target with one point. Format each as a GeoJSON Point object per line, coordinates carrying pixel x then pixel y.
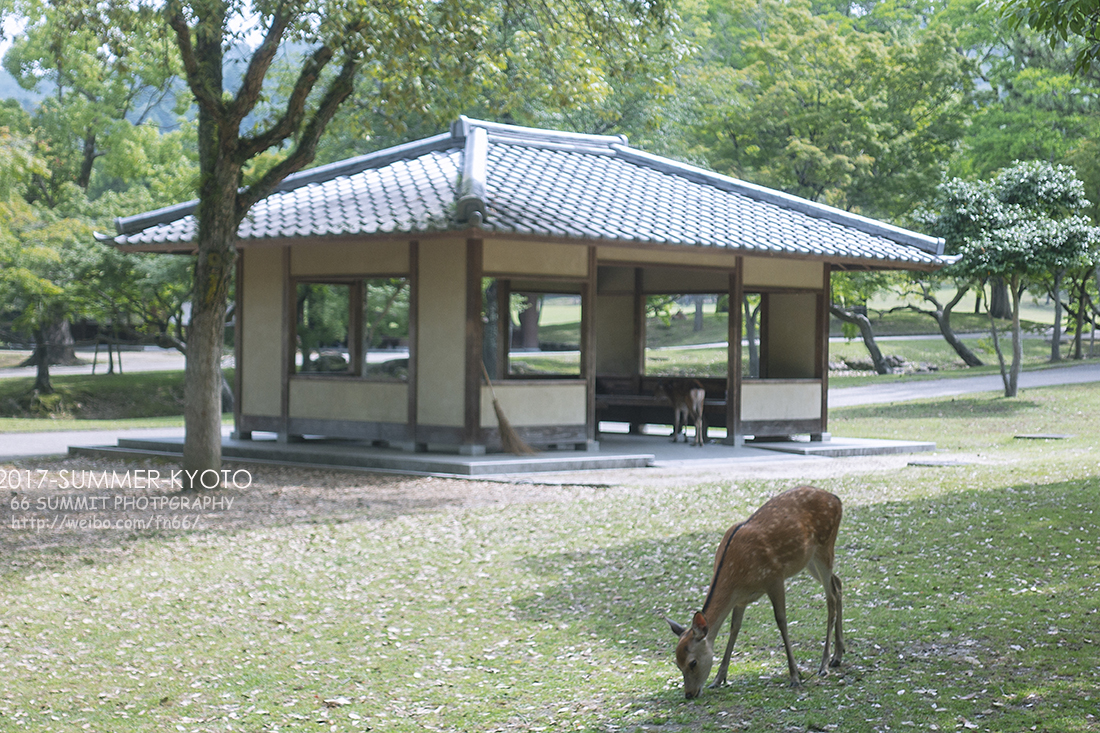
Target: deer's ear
{"type": "Point", "coordinates": [676, 628]}
{"type": "Point", "coordinates": [699, 625]}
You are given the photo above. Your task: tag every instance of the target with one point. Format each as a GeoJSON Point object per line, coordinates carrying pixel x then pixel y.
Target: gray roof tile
{"type": "Point", "coordinates": [554, 184]}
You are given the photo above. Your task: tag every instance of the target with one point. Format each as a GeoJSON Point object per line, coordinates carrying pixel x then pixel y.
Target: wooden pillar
{"type": "Point", "coordinates": [639, 339]}
{"type": "Point", "coordinates": [472, 440]}
{"type": "Point", "coordinates": [588, 351]}
{"type": "Point", "coordinates": [734, 435]}
{"type": "Point", "coordinates": [823, 299]}
{"type": "Point", "coordinates": [238, 331]}
{"type": "Point", "coordinates": [290, 326]}
{"type": "Point", "coordinates": [414, 330]}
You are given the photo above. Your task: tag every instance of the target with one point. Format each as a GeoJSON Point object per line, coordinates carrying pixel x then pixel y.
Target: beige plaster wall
{"type": "Point", "coordinates": [502, 257]}
{"type": "Point", "coordinates": [615, 352]}
{"type": "Point", "coordinates": [261, 332]}
{"type": "Point", "coordinates": [441, 334]}
{"type": "Point", "coordinates": [349, 399]}
{"type": "Point", "coordinates": [546, 403]}
{"type": "Point", "coordinates": [685, 256]}
{"type": "Point", "coordinates": [792, 335]}
{"type": "Point", "coordinates": [777, 272]}
{"type": "Point", "coordinates": [783, 401]}
{"type": "Point", "coordinates": [374, 258]}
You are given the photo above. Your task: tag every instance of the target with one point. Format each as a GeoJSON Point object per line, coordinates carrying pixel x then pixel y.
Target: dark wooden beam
{"type": "Point", "coordinates": [471, 433]}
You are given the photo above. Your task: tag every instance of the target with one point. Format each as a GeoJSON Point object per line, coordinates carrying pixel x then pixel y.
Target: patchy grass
{"type": "Point", "coordinates": [42, 425]}
{"type": "Point", "coordinates": [102, 396]}
{"type": "Point", "coordinates": [970, 600]}
{"type": "Point", "coordinates": [114, 397]}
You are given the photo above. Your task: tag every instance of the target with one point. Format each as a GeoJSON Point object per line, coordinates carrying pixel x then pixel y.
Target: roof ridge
{"type": "Point", "coordinates": [349, 167]}
{"type": "Point", "coordinates": [932, 245]}
{"type": "Point", "coordinates": [461, 128]}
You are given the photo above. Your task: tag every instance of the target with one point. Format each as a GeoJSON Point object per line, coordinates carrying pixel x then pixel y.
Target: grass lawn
{"type": "Point", "coordinates": [971, 599]}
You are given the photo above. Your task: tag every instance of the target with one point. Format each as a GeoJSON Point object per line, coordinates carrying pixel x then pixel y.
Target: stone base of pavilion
{"type": "Point", "coordinates": [614, 450]}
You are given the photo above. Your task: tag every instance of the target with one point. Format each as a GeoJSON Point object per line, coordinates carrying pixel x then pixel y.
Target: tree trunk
{"type": "Point", "coordinates": [1000, 304]}
{"type": "Point", "coordinates": [1017, 339]}
{"type": "Point", "coordinates": [58, 337]}
{"type": "Point", "coordinates": [868, 334]}
{"type": "Point", "coordinates": [529, 322]}
{"type": "Point", "coordinates": [1056, 334]}
{"type": "Point", "coordinates": [41, 350]}
{"type": "Point", "coordinates": [697, 324]}
{"type": "Point", "coordinates": [750, 337]}
{"type": "Point", "coordinates": [1000, 354]}
{"type": "Point", "coordinates": [942, 316]}
{"type": "Point", "coordinates": [1079, 320]}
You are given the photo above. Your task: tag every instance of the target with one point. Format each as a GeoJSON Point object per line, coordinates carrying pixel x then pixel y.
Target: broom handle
{"type": "Point", "coordinates": [487, 380]}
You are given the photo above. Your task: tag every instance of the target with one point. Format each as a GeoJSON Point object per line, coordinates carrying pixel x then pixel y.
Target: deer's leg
{"type": "Point", "coordinates": [822, 571]}
{"type": "Point", "coordinates": [778, 595]}
{"type": "Point", "coordinates": [735, 628]}
{"type": "Point", "coordinates": [839, 653]}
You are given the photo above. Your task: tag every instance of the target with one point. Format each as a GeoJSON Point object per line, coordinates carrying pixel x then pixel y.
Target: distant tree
{"type": "Point", "coordinates": [1059, 20]}
{"type": "Point", "coordinates": [858, 119]}
{"type": "Point", "coordinates": [1020, 226]}
{"type": "Point", "coordinates": [850, 293]}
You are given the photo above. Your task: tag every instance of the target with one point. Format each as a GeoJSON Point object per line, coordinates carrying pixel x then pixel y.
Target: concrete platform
{"type": "Point", "coordinates": [334, 453]}
{"type": "Point", "coordinates": [616, 451]}
{"type": "Point", "coordinates": [843, 447]}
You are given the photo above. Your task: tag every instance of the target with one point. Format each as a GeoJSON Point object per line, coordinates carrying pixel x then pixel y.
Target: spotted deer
{"type": "Point", "coordinates": [792, 531]}
{"type": "Point", "coordinates": [687, 404]}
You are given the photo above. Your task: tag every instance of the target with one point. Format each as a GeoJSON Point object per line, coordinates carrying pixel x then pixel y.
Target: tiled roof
{"type": "Point", "coordinates": [545, 183]}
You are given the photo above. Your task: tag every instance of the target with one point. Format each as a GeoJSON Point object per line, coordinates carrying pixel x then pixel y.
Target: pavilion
{"type": "Point", "coordinates": [375, 296]}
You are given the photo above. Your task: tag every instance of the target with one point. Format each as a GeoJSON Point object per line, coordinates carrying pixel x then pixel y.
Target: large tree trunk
{"type": "Point", "coordinates": [529, 322]}
{"type": "Point", "coordinates": [864, 324]}
{"type": "Point", "coordinates": [1000, 304]}
{"type": "Point", "coordinates": [216, 253]}
{"type": "Point", "coordinates": [58, 337]}
{"type": "Point", "coordinates": [41, 348]}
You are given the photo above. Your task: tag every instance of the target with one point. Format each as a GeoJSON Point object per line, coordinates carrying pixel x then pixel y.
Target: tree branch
{"type": "Point", "coordinates": [295, 107]}
{"type": "Point", "coordinates": [339, 89]}
{"type": "Point", "coordinates": [253, 81]}
{"type": "Point", "coordinates": [204, 95]}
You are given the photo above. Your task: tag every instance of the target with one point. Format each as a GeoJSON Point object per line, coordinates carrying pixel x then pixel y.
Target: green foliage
{"type": "Point", "coordinates": [561, 64]}
{"type": "Point", "coordinates": [1060, 20]}
{"type": "Point", "coordinates": [1023, 223]}
{"type": "Point", "coordinates": [821, 108]}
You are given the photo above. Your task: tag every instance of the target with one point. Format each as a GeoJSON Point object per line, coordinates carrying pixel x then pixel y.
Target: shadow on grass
{"type": "Point", "coordinates": [947, 409]}
{"type": "Point", "coordinates": [946, 599]}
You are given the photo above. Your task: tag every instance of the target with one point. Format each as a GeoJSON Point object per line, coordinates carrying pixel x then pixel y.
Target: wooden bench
{"type": "Point", "coordinates": [624, 399]}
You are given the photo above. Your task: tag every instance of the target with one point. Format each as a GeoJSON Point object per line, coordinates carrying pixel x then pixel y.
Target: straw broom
{"type": "Point", "coordinates": [509, 439]}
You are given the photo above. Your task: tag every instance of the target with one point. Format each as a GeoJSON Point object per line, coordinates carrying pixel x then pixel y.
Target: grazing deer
{"type": "Point", "coordinates": [687, 404]}
{"type": "Point", "coordinates": [792, 531]}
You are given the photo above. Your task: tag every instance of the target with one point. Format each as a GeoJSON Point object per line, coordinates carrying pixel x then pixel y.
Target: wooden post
{"type": "Point", "coordinates": [472, 441]}
{"type": "Point", "coordinates": [588, 351]}
{"type": "Point", "coordinates": [734, 435]}
{"type": "Point", "coordinates": [823, 350]}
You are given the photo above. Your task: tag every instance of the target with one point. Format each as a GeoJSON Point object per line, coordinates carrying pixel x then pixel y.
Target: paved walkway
{"type": "Point", "coordinates": [23, 445]}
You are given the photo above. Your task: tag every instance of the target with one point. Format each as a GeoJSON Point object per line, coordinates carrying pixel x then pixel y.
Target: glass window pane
{"type": "Point", "coordinates": [386, 328]}
{"type": "Point", "coordinates": [686, 335]}
{"type": "Point", "coordinates": [323, 328]}
{"type": "Point", "coordinates": [545, 335]}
